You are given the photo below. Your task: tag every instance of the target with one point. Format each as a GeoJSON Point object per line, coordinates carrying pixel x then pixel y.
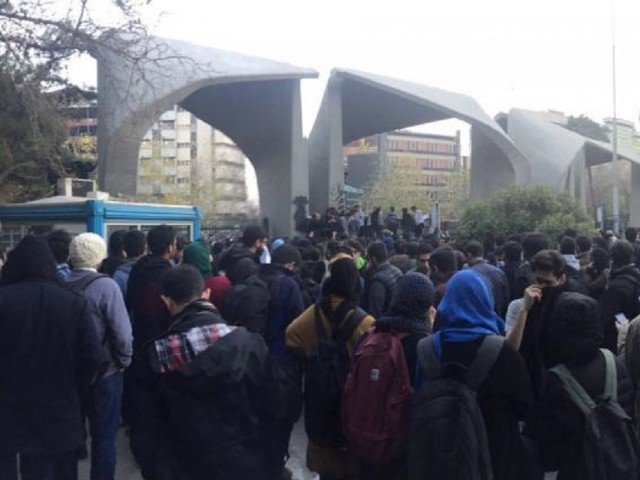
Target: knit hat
{"type": "Point", "coordinates": [87, 250]}
{"type": "Point", "coordinates": [278, 242]}
{"type": "Point", "coordinates": [413, 296]}
{"type": "Point", "coordinates": [198, 255]}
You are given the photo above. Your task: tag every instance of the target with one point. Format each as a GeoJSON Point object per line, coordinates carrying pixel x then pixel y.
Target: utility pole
{"type": "Point", "coordinates": [616, 177]}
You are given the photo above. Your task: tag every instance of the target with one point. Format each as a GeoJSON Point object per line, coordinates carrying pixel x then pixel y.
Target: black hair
{"type": "Point", "coordinates": [533, 243]}
{"type": "Point", "coordinates": [286, 254]}
{"type": "Point", "coordinates": [512, 251]}
{"type": "Point", "coordinates": [570, 232]}
{"type": "Point", "coordinates": [568, 246]}
{"type": "Point", "coordinates": [252, 234]}
{"type": "Point", "coordinates": [116, 243]}
{"type": "Point", "coordinates": [600, 259]}
{"type": "Point", "coordinates": [622, 253]}
{"type": "Point", "coordinates": [583, 243]}
{"type": "Point", "coordinates": [183, 284]}
{"type": "Point", "coordinates": [424, 249]}
{"type": "Point", "coordinates": [549, 261]}
{"type": "Point", "coordinates": [599, 242]}
{"type": "Point", "coordinates": [444, 258]}
{"type": "Point", "coordinates": [377, 251]}
{"type": "Point", "coordinates": [160, 238]}
{"type": "Point", "coordinates": [59, 241]}
{"type": "Point", "coordinates": [474, 249]}
{"type": "Point", "coordinates": [134, 243]}
{"type": "Point", "coordinates": [181, 243]}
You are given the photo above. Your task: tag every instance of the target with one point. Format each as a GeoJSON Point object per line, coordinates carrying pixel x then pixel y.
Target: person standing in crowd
{"type": "Point", "coordinates": [556, 423]}
{"type": "Point", "coordinates": [497, 279]}
{"type": "Point", "coordinates": [135, 245]}
{"type": "Point", "coordinates": [244, 254]}
{"type": "Point", "coordinates": [512, 260]}
{"type": "Point", "coordinates": [117, 255]}
{"type": "Point", "coordinates": [198, 255]}
{"type": "Point", "coordinates": [529, 333]}
{"type": "Point", "coordinates": [423, 254]}
{"type": "Point", "coordinates": [285, 305]}
{"type": "Point", "coordinates": [595, 275]}
{"type": "Point", "coordinates": [392, 221]}
{"type": "Point", "coordinates": [212, 384]}
{"type": "Point", "coordinates": [583, 245]}
{"type": "Point", "coordinates": [334, 313]}
{"type": "Point", "coordinates": [49, 355]}
{"type": "Point", "coordinates": [150, 319]}
{"type": "Point", "coordinates": [631, 236]}
{"type": "Point", "coordinates": [382, 280]}
{"type": "Point", "coordinates": [466, 317]}
{"type": "Point", "coordinates": [568, 252]}
{"type": "Point", "coordinates": [59, 241]}
{"type": "Point", "coordinates": [623, 291]}
{"type": "Point", "coordinates": [442, 263]}
{"type": "Point", "coordinates": [113, 328]}
{"type": "Point", "coordinates": [532, 243]}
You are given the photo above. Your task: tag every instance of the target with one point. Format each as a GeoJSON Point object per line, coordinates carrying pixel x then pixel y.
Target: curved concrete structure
{"type": "Point", "coordinates": [254, 101]}
{"type": "Point", "coordinates": [559, 158]}
{"type": "Point", "coordinates": [358, 104]}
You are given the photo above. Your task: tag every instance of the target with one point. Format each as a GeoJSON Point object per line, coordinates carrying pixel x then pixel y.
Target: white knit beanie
{"type": "Point", "coordinates": [87, 250]}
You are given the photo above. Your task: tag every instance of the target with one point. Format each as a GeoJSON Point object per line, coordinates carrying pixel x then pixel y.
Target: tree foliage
{"type": "Point", "coordinates": [588, 128]}
{"type": "Point", "coordinates": [398, 186]}
{"type": "Point", "coordinates": [522, 209]}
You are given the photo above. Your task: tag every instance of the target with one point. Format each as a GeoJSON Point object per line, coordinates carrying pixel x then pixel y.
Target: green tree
{"type": "Point", "coordinates": [588, 128]}
{"type": "Point", "coordinates": [398, 186]}
{"type": "Point", "coordinates": [520, 209]}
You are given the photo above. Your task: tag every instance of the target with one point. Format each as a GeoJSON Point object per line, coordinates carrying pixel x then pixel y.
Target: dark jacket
{"type": "Point", "coordinates": [557, 425]}
{"type": "Point", "coordinates": [621, 297]}
{"type": "Point", "coordinates": [381, 288]}
{"type": "Point", "coordinates": [49, 354]}
{"type": "Point", "coordinates": [213, 395]}
{"type": "Point", "coordinates": [285, 304]}
{"type": "Point", "coordinates": [238, 263]}
{"type": "Point", "coordinates": [110, 264]}
{"type": "Point", "coordinates": [150, 316]}
{"type": "Point", "coordinates": [510, 269]}
{"type": "Point", "coordinates": [498, 282]}
{"type": "Point", "coordinates": [504, 399]}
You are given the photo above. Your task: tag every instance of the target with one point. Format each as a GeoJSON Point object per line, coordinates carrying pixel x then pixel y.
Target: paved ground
{"type": "Point", "coordinates": [128, 470]}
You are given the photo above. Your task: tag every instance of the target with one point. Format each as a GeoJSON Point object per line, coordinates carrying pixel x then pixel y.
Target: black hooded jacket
{"type": "Point", "coordinates": [621, 296]}
{"type": "Point", "coordinates": [214, 402]}
{"type": "Point", "coordinates": [49, 354]}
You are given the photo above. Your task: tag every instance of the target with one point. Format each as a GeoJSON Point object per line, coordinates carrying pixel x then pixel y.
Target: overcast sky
{"type": "Point", "coordinates": [543, 54]}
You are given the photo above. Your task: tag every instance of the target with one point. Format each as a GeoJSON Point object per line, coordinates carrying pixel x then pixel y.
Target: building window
{"type": "Point", "coordinates": [184, 144]}
{"type": "Point", "coordinates": [194, 152]}
{"type": "Point", "coordinates": [167, 125]}
{"type": "Point", "coordinates": [183, 180]}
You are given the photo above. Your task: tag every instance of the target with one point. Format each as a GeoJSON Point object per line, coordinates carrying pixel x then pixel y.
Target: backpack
{"type": "Point", "coordinates": [376, 398]}
{"type": "Point", "coordinates": [325, 374]}
{"type": "Point", "coordinates": [448, 438]}
{"type": "Point", "coordinates": [247, 305]}
{"type": "Point", "coordinates": [610, 445]}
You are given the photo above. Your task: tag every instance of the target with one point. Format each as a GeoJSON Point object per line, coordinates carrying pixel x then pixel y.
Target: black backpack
{"type": "Point", "coordinates": [247, 305]}
{"type": "Point", "coordinates": [325, 374]}
{"type": "Point", "coordinates": [448, 439]}
{"type": "Point", "coordinates": [610, 445]}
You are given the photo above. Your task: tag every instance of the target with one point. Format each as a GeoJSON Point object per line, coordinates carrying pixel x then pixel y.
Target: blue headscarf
{"type": "Point", "coordinates": [466, 311]}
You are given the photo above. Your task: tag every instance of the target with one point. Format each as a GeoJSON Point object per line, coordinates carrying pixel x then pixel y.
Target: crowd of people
{"type": "Point", "coordinates": [411, 358]}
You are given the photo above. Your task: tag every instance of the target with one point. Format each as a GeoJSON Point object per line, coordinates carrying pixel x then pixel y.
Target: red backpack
{"type": "Point", "coordinates": [376, 398]}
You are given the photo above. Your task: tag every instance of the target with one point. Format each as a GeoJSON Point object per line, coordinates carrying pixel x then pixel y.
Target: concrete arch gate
{"type": "Point", "coordinates": [256, 102]}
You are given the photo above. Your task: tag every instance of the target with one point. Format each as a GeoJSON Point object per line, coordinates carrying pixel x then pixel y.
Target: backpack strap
{"type": "Point", "coordinates": [83, 283]}
{"type": "Point", "coordinates": [611, 378]}
{"type": "Point", "coordinates": [578, 395]}
{"type": "Point", "coordinates": [428, 359]}
{"type": "Point", "coordinates": [486, 356]}
{"type": "Point", "coordinates": [346, 329]}
{"type": "Point", "coordinates": [321, 332]}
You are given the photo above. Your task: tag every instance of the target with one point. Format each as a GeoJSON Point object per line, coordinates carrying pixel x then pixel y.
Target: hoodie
{"type": "Point", "coordinates": [621, 296]}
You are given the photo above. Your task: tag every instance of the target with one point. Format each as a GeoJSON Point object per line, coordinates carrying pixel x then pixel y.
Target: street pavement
{"type": "Point", "coordinates": [128, 470]}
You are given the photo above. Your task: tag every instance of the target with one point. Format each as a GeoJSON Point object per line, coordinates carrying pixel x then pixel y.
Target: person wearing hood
{"type": "Point", "coordinates": [556, 423]}
{"type": "Point", "coordinates": [465, 317]}
{"type": "Point", "coordinates": [340, 295]}
{"type": "Point", "coordinates": [621, 296]}
{"type": "Point", "coordinates": [212, 384]}
{"type": "Point", "coordinates": [595, 275]}
{"type": "Point", "coordinates": [243, 257]}
{"type": "Point", "coordinates": [286, 304]}
{"type": "Point", "coordinates": [150, 318]}
{"type": "Point", "coordinates": [49, 356]}
{"type": "Point", "coordinates": [198, 255]}
{"type": "Point", "coordinates": [135, 244]}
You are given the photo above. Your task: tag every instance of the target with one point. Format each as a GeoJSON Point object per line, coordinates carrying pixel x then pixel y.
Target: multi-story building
{"type": "Point", "coordinates": [183, 159]}
{"type": "Point", "coordinates": [435, 157]}
{"type": "Point", "coordinates": [626, 131]}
